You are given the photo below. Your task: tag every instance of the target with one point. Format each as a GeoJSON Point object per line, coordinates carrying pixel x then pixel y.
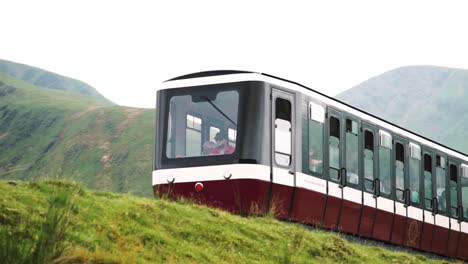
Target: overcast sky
{"type": "Point", "coordinates": [126, 49]}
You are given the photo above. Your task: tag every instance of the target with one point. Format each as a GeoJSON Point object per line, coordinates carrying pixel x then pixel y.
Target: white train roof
{"type": "Point", "coordinates": [216, 77]}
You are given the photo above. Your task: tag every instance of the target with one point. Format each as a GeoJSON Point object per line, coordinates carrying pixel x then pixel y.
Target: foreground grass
{"type": "Point", "coordinates": [105, 227]}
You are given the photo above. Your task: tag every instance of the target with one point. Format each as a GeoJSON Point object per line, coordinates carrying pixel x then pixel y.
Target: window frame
{"type": "Point", "coordinates": [242, 88]}
{"type": "Point", "coordinates": [372, 129]}
{"type": "Point", "coordinates": [202, 132]}
{"type": "Point", "coordinates": [460, 171]}
{"type": "Point", "coordinates": [403, 142]}
{"type": "Point", "coordinates": [344, 147]}
{"type": "Point", "coordinates": [334, 113]}
{"type": "Point", "coordinates": [390, 195]}
{"type": "Point", "coordinates": [309, 118]}
{"type": "Point", "coordinates": [427, 151]}
{"type": "Point", "coordinates": [452, 161]}
{"type": "Point", "coordinates": [447, 183]}
{"type": "Point", "coordinates": [420, 175]}
{"type": "Point", "coordinates": [291, 130]}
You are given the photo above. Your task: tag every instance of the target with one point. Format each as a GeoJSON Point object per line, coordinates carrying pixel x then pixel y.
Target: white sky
{"type": "Point", "coordinates": [126, 49]}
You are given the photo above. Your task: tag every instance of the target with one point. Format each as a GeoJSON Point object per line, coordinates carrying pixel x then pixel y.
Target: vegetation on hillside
{"type": "Point", "coordinates": [104, 227]}
{"type": "Point", "coordinates": [51, 133]}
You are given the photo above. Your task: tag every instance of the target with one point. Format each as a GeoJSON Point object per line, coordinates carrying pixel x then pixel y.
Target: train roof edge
{"type": "Point", "coordinates": [228, 72]}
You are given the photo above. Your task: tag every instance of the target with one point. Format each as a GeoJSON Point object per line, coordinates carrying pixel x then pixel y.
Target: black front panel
{"type": "Point", "coordinates": [212, 125]}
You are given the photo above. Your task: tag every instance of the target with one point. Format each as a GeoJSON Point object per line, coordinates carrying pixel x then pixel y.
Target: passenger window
{"type": "Point", "coordinates": [315, 138]}
{"type": "Point", "coordinates": [464, 190]}
{"type": "Point", "coordinates": [414, 172]}
{"type": "Point", "coordinates": [283, 136]}
{"type": "Point", "coordinates": [193, 136]}
{"type": "Point", "coordinates": [232, 137]}
{"type": "Point", "coordinates": [441, 186]}
{"type": "Point", "coordinates": [334, 148]}
{"type": "Point", "coordinates": [454, 190]}
{"type": "Point", "coordinates": [428, 181]}
{"type": "Point", "coordinates": [385, 158]}
{"type": "Point", "coordinates": [352, 150]}
{"type": "Point", "coordinates": [400, 171]}
{"type": "Point", "coordinates": [368, 161]}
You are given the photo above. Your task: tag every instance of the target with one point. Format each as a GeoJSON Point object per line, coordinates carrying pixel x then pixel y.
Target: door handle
{"type": "Point", "coordinates": [407, 197]}
{"type": "Point", "coordinates": [435, 205]}
{"type": "Point", "coordinates": [376, 188]}
{"type": "Point", "coordinates": [343, 177]}
{"type": "Point", "coordinates": [460, 213]}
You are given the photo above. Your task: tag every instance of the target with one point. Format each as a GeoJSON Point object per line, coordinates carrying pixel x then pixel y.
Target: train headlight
{"type": "Point", "coordinates": [199, 187]}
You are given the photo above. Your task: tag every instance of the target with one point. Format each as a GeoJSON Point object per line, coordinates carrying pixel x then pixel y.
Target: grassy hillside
{"type": "Point", "coordinates": [52, 133]}
{"type": "Point", "coordinates": [43, 78]}
{"type": "Point", "coordinates": [104, 227]}
{"type": "Point", "coordinates": [431, 101]}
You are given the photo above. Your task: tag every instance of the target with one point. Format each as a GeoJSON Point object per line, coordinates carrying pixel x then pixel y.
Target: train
{"type": "Point", "coordinates": [252, 143]}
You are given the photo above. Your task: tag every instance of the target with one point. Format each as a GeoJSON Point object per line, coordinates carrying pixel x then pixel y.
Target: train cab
{"type": "Point", "coordinates": [213, 140]}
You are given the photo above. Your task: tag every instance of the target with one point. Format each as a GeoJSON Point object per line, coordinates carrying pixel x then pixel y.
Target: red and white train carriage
{"type": "Point", "coordinates": [250, 142]}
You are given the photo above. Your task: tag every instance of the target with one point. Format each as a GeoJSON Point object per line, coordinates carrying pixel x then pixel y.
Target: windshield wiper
{"type": "Point", "coordinates": [219, 110]}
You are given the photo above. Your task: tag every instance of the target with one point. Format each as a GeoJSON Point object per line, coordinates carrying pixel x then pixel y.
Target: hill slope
{"type": "Point", "coordinates": [114, 228]}
{"type": "Point", "coordinates": [43, 78]}
{"type": "Point", "coordinates": [51, 133]}
{"type": "Point", "coordinates": [431, 101]}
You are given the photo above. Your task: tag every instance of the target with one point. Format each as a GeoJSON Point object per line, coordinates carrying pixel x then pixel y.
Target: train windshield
{"type": "Point", "coordinates": [202, 123]}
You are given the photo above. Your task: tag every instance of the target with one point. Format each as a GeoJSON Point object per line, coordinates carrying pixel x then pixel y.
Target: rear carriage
{"type": "Point", "coordinates": [250, 143]}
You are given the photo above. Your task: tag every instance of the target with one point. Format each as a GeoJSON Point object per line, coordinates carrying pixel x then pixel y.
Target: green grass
{"type": "Point", "coordinates": [47, 133]}
{"type": "Point", "coordinates": [107, 227]}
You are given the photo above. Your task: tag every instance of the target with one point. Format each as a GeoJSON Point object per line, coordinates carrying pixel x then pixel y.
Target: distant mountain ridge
{"type": "Point", "coordinates": [47, 79]}
{"type": "Point", "coordinates": [429, 100]}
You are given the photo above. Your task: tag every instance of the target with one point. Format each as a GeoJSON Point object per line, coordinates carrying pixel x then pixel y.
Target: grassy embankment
{"type": "Point", "coordinates": [105, 227]}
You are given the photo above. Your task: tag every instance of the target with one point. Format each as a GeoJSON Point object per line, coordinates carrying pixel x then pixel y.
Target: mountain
{"type": "Point", "coordinates": [104, 227]}
{"type": "Point", "coordinates": [43, 78]}
{"type": "Point", "coordinates": [54, 133]}
{"type": "Point", "coordinates": [431, 101]}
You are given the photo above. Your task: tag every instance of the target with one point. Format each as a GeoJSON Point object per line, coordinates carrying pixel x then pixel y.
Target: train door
{"type": "Point", "coordinates": [441, 206]}
{"type": "Point", "coordinates": [311, 187]}
{"type": "Point", "coordinates": [335, 169]}
{"type": "Point", "coordinates": [429, 200]}
{"type": "Point", "coordinates": [463, 189]}
{"type": "Point", "coordinates": [385, 195]}
{"type": "Point", "coordinates": [283, 165]}
{"type": "Point", "coordinates": [413, 197]}
{"type": "Point", "coordinates": [350, 180]}
{"type": "Point", "coordinates": [400, 181]}
{"type": "Point", "coordinates": [454, 194]}
{"type": "Point", "coordinates": [369, 161]}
